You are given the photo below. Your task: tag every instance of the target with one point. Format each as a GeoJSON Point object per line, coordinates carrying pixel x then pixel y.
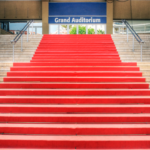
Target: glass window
{"type": "Point", "coordinates": [39, 30]}
{"type": "Point", "coordinates": [72, 29]}
{"type": "Point", "coordinates": [100, 29]}
{"type": "Point", "coordinates": [82, 29]}
{"type": "Point", "coordinates": [63, 29]}
{"type": "Point", "coordinates": [91, 29]}
{"type": "Point", "coordinates": [31, 31]}
{"type": "Point", "coordinates": [16, 27]}
{"type": "Point", "coordinates": [54, 29]}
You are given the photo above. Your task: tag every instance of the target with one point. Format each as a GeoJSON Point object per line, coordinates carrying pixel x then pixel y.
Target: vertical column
{"type": "Point", "coordinates": [49, 29]}
{"type": "Point", "coordinates": [21, 42]}
{"type": "Point", "coordinates": [95, 28]}
{"type": "Point", "coordinates": [86, 29]}
{"type": "Point", "coordinates": [133, 43]}
{"type": "Point", "coordinates": [105, 29]}
{"type": "Point", "coordinates": [35, 29]}
{"type": "Point", "coordinates": [45, 25]}
{"type": "Point", "coordinates": [109, 23]}
{"type": "Point", "coordinates": [67, 28]}
{"type": "Point", "coordinates": [27, 33]}
{"type": "Point", "coordinates": [127, 35]}
{"type": "Point", "coordinates": [0, 27]}
{"type": "Point", "coordinates": [32, 28]}
{"type": "Point", "coordinates": [77, 29]}
{"type": "Point", "coordinates": [8, 26]}
{"type": "Point", "coordinates": [58, 29]}
{"type": "Point", "coordinates": [13, 52]}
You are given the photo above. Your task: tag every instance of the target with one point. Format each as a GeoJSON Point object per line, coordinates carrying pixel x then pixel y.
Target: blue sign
{"type": "Point", "coordinates": [77, 20]}
{"type": "Point", "coordinates": [77, 13]}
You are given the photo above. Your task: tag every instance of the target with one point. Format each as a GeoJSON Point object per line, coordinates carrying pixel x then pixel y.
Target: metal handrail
{"type": "Point", "coordinates": [133, 31]}
{"type": "Point", "coordinates": [135, 35]}
{"type": "Point", "coordinates": [14, 41]}
{"type": "Point", "coordinates": [21, 32]}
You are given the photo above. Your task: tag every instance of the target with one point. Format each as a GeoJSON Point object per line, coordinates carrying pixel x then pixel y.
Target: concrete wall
{"type": "Point", "coordinates": [45, 25]}
{"type": "Point", "coordinates": [20, 9]}
{"type": "Point", "coordinates": [109, 25]}
{"type": "Point", "coordinates": [33, 9]}
{"type": "Point", "coordinates": [137, 9]}
{"type": "Point", "coordinates": [76, 0]}
{"type": "Point", "coordinates": [0, 28]}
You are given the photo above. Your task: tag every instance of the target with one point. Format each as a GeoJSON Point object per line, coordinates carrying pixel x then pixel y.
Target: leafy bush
{"type": "Point", "coordinates": [91, 31]}
{"type": "Point", "coordinates": [82, 30]}
{"type": "Point", "coordinates": [73, 30]}
{"type": "Point", "coordinates": [100, 32]}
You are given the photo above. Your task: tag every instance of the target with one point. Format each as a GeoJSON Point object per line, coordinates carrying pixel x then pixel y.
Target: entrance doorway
{"type": "Point", "coordinates": [77, 29]}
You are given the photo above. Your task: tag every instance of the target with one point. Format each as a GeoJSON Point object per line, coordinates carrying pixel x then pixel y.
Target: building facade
{"type": "Point", "coordinates": [24, 10]}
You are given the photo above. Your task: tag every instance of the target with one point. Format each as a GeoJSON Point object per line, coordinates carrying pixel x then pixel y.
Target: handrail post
{"type": "Point", "coordinates": [133, 43]}
{"type": "Point", "coordinates": [32, 28]}
{"type": "Point", "coordinates": [21, 43]}
{"type": "Point", "coordinates": [141, 52]}
{"type": "Point", "coordinates": [27, 35]}
{"type": "Point", "coordinates": [127, 35]}
{"type": "Point", "coordinates": [13, 51]}
{"type": "Point", "coordinates": [20, 35]}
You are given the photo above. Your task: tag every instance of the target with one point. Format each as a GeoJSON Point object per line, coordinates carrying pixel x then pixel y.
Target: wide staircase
{"type": "Point", "coordinates": [75, 93]}
{"type": "Point", "coordinates": [6, 51]}
{"type": "Point", "coordinates": [126, 53]}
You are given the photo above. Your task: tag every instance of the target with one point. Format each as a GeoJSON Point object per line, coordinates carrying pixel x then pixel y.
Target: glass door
{"type": "Point", "coordinates": [54, 29]}
{"type": "Point", "coordinates": [101, 29]}
{"type": "Point", "coordinates": [63, 29]}
{"type": "Point", "coordinates": [72, 29]}
{"type": "Point", "coordinates": [91, 29]}
{"type": "Point", "coordinates": [82, 29]}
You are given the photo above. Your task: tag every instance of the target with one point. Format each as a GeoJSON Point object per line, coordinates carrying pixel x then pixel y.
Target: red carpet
{"type": "Point", "coordinates": [75, 93]}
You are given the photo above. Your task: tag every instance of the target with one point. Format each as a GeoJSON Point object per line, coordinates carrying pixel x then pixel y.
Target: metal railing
{"type": "Point", "coordinates": [15, 40]}
{"type": "Point", "coordinates": [143, 28]}
{"type": "Point", "coordinates": [135, 35]}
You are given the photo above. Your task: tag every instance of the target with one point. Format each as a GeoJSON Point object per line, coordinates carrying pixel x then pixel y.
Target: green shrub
{"type": "Point", "coordinates": [100, 32]}
{"type": "Point", "coordinates": [82, 30]}
{"type": "Point", "coordinates": [91, 31]}
{"type": "Point", "coordinates": [73, 30]}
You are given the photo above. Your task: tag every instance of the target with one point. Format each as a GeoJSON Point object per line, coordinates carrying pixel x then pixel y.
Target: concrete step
{"type": "Point", "coordinates": [1, 79]}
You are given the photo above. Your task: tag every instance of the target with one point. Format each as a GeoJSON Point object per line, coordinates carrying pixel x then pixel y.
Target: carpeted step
{"type": "Point", "coordinates": [75, 85]}
{"type": "Point", "coordinates": [75, 142]}
{"type": "Point", "coordinates": [75, 118]}
{"type": "Point", "coordinates": [74, 79]}
{"type": "Point", "coordinates": [75, 57]}
{"type": "Point", "coordinates": [76, 60]}
{"type": "Point", "coordinates": [76, 64]}
{"type": "Point", "coordinates": [76, 92]}
{"type": "Point", "coordinates": [75, 99]}
{"type": "Point", "coordinates": [76, 73]}
{"type": "Point", "coordinates": [78, 49]}
{"type": "Point", "coordinates": [59, 149]}
{"type": "Point", "coordinates": [74, 109]}
{"type": "Point", "coordinates": [75, 129]}
{"type": "Point", "coordinates": [100, 68]}
{"type": "Point", "coordinates": [78, 53]}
